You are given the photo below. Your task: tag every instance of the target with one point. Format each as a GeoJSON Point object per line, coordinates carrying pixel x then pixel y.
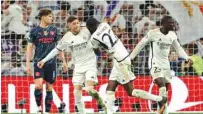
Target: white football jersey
{"type": "Point", "coordinates": [105, 37]}
{"type": "Point", "coordinates": [160, 47]}
{"type": "Point", "coordinates": [80, 47]}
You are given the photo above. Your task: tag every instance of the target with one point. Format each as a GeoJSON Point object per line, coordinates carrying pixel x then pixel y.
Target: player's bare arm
{"type": "Point", "coordinates": [29, 53]}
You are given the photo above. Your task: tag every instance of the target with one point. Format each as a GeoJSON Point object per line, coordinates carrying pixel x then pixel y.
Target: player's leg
{"type": "Point", "coordinates": [159, 79]}
{"type": "Point", "coordinates": [128, 85]}
{"type": "Point", "coordinates": [50, 78]}
{"type": "Point", "coordinates": [38, 80]}
{"type": "Point", "coordinates": [166, 105]}
{"type": "Point", "coordinates": [91, 80]}
{"type": "Point", "coordinates": [38, 93]}
{"type": "Point", "coordinates": [110, 94]}
{"type": "Point", "coordinates": [78, 80]}
{"type": "Point", "coordinates": [78, 98]}
{"type": "Point", "coordinates": [141, 93]}
{"type": "Point", "coordinates": [49, 97]}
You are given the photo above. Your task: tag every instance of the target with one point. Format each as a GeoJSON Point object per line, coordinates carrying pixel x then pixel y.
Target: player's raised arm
{"type": "Point", "coordinates": [139, 47]}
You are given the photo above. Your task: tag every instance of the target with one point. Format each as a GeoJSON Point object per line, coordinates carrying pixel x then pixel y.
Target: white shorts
{"type": "Point", "coordinates": [157, 72]}
{"type": "Point", "coordinates": [121, 72]}
{"type": "Point", "coordinates": [84, 73]}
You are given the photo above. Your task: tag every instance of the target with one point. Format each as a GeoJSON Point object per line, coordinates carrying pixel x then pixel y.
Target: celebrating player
{"type": "Point", "coordinates": [103, 36]}
{"type": "Point", "coordinates": [160, 41]}
{"type": "Point", "coordinates": [77, 42]}
{"type": "Point", "coordinates": [44, 38]}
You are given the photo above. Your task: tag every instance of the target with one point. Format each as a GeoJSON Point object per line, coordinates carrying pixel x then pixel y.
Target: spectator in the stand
{"type": "Point", "coordinates": [80, 16]}
{"type": "Point", "coordinates": [144, 24]}
{"type": "Point", "coordinates": [200, 46]}
{"type": "Point", "coordinates": [113, 16]}
{"type": "Point", "coordinates": [4, 6]}
{"type": "Point", "coordinates": [61, 16]}
{"type": "Point", "coordinates": [197, 60]}
{"type": "Point", "coordinates": [88, 9]}
{"type": "Point", "coordinates": [27, 9]}
{"type": "Point", "coordinates": [186, 67]}
{"type": "Point", "coordinates": [100, 10]}
{"type": "Point", "coordinates": [52, 4]}
{"type": "Point", "coordinates": [175, 62]}
{"type": "Point", "coordinates": [14, 67]}
{"type": "Point", "coordinates": [145, 7]}
{"type": "Point", "coordinates": [118, 20]}
{"type": "Point", "coordinates": [117, 31]}
{"type": "Point", "coordinates": [14, 19]}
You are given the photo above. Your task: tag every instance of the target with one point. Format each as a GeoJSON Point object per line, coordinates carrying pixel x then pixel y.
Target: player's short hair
{"type": "Point", "coordinates": [44, 12]}
{"type": "Point", "coordinates": [91, 22]}
{"type": "Point", "coordinates": [164, 18]}
{"type": "Point", "coordinates": [71, 19]}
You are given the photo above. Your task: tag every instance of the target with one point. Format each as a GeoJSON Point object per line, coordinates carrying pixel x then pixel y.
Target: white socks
{"type": "Point", "coordinates": [162, 91]}
{"type": "Point", "coordinates": [145, 95]}
{"type": "Point", "coordinates": [78, 101]}
{"type": "Point", "coordinates": [110, 98]}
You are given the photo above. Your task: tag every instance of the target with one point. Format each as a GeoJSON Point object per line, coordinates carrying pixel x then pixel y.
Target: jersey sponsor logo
{"type": "Point", "coordinates": [46, 40]}
{"type": "Point", "coordinates": [162, 45]}
{"type": "Point", "coordinates": [37, 74]}
{"type": "Point", "coordinates": [79, 46]}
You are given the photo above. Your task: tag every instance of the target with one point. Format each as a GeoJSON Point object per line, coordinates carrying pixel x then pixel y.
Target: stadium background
{"type": "Point", "coordinates": [130, 20]}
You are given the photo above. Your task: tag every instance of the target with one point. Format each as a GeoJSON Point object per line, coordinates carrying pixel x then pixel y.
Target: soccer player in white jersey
{"type": "Point", "coordinates": [160, 40]}
{"type": "Point", "coordinates": [103, 36]}
{"type": "Point", "coordinates": [77, 42]}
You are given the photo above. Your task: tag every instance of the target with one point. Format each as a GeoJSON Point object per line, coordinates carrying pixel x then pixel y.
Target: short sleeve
{"type": "Point", "coordinates": [31, 38]}
{"type": "Point", "coordinates": [57, 38]}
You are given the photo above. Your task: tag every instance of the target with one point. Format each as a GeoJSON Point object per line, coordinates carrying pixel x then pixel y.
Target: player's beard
{"type": "Point", "coordinates": [76, 31]}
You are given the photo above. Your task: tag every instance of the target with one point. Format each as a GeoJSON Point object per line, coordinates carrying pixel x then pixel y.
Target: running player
{"type": "Point", "coordinates": [160, 41]}
{"type": "Point", "coordinates": [103, 36]}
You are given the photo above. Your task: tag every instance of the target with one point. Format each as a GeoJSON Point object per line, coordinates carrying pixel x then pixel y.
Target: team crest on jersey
{"type": "Point", "coordinates": [45, 33]}
{"type": "Point", "coordinates": [52, 32]}
{"type": "Point", "coordinates": [37, 73]}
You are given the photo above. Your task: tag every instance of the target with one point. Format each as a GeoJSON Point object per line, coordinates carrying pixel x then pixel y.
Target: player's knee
{"type": "Point", "coordinates": [38, 86]}
{"type": "Point", "coordinates": [160, 82]}
{"type": "Point", "coordinates": [49, 87]}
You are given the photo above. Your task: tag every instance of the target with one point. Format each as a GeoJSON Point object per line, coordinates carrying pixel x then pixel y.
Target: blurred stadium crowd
{"type": "Point", "coordinates": [130, 20]}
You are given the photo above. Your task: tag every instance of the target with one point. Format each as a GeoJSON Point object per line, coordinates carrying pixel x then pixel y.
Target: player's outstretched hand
{"type": "Point", "coordinates": [40, 64]}
{"type": "Point", "coordinates": [64, 67]}
{"type": "Point", "coordinates": [28, 69]}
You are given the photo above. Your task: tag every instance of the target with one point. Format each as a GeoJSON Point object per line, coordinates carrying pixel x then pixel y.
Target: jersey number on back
{"type": "Point", "coordinates": [110, 39]}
